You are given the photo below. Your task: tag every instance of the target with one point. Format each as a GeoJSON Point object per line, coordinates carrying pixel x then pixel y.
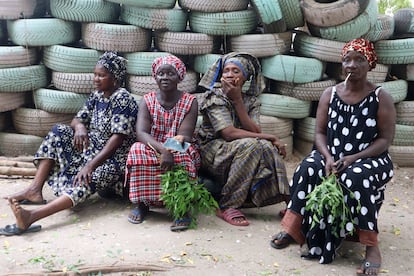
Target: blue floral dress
{"type": "Point", "coordinates": [103, 117]}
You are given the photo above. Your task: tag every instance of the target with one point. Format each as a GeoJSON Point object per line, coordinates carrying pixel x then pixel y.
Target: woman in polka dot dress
{"type": "Point", "coordinates": [355, 125]}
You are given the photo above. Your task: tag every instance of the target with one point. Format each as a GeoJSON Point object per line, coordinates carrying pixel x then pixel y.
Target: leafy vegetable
{"type": "Point", "coordinates": [184, 196]}
{"type": "Point", "coordinates": [327, 201]}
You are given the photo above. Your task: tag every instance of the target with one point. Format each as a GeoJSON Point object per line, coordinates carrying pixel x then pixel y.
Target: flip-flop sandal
{"type": "Point", "coordinates": [284, 238]}
{"type": "Point", "coordinates": [12, 230]}
{"type": "Point", "coordinates": [180, 224]}
{"type": "Point", "coordinates": [138, 211]}
{"type": "Point", "coordinates": [29, 202]}
{"type": "Point", "coordinates": [367, 265]}
{"type": "Point", "coordinates": [230, 214]}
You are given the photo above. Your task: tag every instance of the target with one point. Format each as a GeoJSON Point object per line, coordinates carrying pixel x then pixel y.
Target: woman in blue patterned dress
{"type": "Point", "coordinates": [87, 156]}
{"type": "Point", "coordinates": [355, 125]}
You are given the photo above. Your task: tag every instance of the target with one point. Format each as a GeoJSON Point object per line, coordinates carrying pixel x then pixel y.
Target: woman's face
{"type": "Point", "coordinates": [167, 77]}
{"type": "Point", "coordinates": [103, 79]}
{"type": "Point", "coordinates": [233, 73]}
{"type": "Point", "coordinates": [355, 63]}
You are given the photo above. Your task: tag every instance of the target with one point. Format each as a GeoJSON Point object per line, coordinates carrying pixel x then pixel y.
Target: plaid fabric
{"type": "Point", "coordinates": [143, 164]}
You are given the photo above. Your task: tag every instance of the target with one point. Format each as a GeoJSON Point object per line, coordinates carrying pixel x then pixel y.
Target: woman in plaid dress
{"type": "Point", "coordinates": [166, 113]}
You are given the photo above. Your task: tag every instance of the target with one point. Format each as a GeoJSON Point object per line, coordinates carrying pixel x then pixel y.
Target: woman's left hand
{"type": "Point", "coordinates": [281, 148]}
{"type": "Point", "coordinates": [83, 177]}
{"type": "Point", "coordinates": [341, 164]}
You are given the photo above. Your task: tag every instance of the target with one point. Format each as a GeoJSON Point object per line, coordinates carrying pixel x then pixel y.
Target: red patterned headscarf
{"type": "Point", "coordinates": [171, 60]}
{"type": "Point", "coordinates": [364, 47]}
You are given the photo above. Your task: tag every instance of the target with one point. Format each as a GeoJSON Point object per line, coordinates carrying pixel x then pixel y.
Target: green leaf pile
{"type": "Point", "coordinates": [327, 201]}
{"type": "Point", "coordinates": [184, 196]}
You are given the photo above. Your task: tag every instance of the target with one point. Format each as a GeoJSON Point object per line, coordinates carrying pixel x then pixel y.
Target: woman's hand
{"type": "Point", "coordinates": [281, 148]}
{"type": "Point", "coordinates": [232, 88]}
{"type": "Point", "coordinates": [83, 177]}
{"type": "Point", "coordinates": [342, 163]}
{"type": "Point", "coordinates": [166, 160]}
{"type": "Point", "coordinates": [80, 137]}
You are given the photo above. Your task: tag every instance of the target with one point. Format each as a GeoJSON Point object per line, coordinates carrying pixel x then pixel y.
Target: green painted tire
{"type": "Point", "coordinates": [396, 51]}
{"type": "Point", "coordinates": [268, 10]}
{"type": "Point", "coordinates": [203, 62]}
{"type": "Point", "coordinates": [174, 20]}
{"type": "Point", "coordinates": [42, 31]}
{"type": "Point", "coordinates": [140, 63]}
{"type": "Point", "coordinates": [223, 23]}
{"type": "Point", "coordinates": [319, 48]}
{"type": "Point", "coordinates": [397, 89]}
{"type": "Point", "coordinates": [405, 113]}
{"type": "Point", "coordinates": [56, 101]}
{"type": "Point", "coordinates": [84, 10]}
{"type": "Point", "coordinates": [283, 106]}
{"type": "Point", "coordinates": [21, 79]}
{"type": "Point", "coordinates": [292, 69]}
{"type": "Point", "coordinates": [68, 59]}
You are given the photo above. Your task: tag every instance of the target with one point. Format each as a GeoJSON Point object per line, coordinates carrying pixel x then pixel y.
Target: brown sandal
{"type": "Point", "coordinates": [281, 240]}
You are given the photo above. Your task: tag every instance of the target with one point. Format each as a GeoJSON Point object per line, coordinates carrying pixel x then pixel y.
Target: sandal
{"type": "Point", "coordinates": [180, 224]}
{"type": "Point", "coordinates": [366, 265]}
{"type": "Point", "coordinates": [283, 240]}
{"type": "Point", "coordinates": [230, 215]}
{"type": "Point", "coordinates": [138, 213]}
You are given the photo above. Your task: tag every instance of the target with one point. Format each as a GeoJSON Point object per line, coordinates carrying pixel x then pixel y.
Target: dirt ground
{"type": "Point", "coordinates": [98, 234]}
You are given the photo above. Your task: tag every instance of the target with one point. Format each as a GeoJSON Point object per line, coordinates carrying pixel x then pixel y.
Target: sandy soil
{"type": "Point", "coordinates": [98, 234]}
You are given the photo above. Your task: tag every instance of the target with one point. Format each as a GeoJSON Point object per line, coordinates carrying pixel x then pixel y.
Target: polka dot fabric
{"type": "Point", "coordinates": [351, 129]}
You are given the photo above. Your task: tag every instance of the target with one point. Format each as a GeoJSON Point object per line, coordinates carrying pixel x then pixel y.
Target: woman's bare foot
{"type": "Point", "coordinates": [22, 215]}
{"type": "Point", "coordinates": [30, 194]}
{"type": "Point", "coordinates": [372, 262]}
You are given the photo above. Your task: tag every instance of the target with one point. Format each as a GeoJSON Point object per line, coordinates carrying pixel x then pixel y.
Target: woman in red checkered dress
{"type": "Point", "coordinates": [166, 113]}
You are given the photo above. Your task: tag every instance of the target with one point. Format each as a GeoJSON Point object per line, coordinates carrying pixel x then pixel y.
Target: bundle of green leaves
{"type": "Point", "coordinates": [327, 201]}
{"type": "Point", "coordinates": [184, 197]}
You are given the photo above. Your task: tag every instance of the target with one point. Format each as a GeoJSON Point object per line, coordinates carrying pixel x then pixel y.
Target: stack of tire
{"type": "Point", "coordinates": [49, 49]}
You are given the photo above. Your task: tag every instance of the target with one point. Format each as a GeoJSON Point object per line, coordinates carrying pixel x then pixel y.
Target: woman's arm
{"type": "Point", "coordinates": [320, 129]}
{"type": "Point", "coordinates": [188, 125]}
{"type": "Point", "coordinates": [85, 174]}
